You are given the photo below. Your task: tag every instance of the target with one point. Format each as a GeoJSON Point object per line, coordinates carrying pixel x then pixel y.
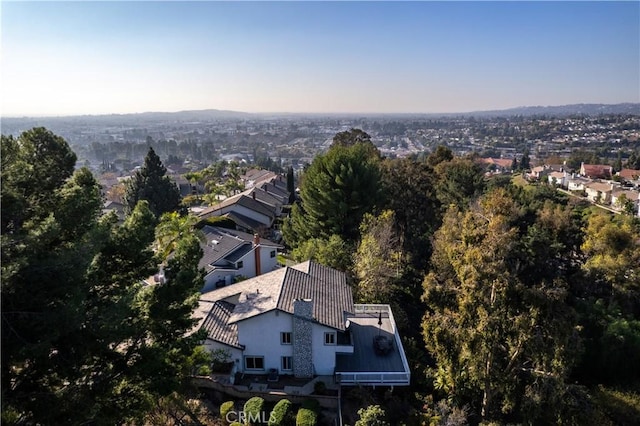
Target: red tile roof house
{"type": "Point", "coordinates": [596, 171]}
{"type": "Point", "coordinates": [629, 174]}
{"type": "Point", "coordinates": [301, 321]}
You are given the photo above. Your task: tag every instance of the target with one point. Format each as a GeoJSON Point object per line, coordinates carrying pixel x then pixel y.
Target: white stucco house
{"type": "Point", "coordinates": [302, 321]}
{"type": "Point", "coordinates": [228, 254]}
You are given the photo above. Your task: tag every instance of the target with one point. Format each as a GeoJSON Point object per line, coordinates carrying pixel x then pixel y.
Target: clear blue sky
{"type": "Point", "coordinates": [119, 57]}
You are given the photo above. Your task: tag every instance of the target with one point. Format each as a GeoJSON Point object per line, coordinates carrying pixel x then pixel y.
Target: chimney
{"type": "Point", "coordinates": [302, 341]}
{"type": "Point", "coordinates": [256, 252]}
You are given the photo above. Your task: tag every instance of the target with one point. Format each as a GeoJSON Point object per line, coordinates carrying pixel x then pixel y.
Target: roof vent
{"type": "Point", "coordinates": [215, 242]}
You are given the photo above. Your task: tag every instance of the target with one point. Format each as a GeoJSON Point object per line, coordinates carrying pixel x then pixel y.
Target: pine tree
{"type": "Point", "coordinates": [150, 183]}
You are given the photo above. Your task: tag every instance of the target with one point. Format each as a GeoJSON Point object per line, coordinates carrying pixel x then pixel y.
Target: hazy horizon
{"type": "Point", "coordinates": [94, 58]}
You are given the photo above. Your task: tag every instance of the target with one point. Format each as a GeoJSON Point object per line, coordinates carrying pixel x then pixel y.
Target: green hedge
{"type": "Point", "coordinates": [306, 417]}
{"type": "Point", "coordinates": [280, 413]}
{"type": "Point", "coordinates": [253, 408]}
{"type": "Point", "coordinates": [225, 407]}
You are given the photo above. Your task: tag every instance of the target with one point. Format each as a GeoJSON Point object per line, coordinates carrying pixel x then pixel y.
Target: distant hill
{"type": "Point", "coordinates": [564, 110]}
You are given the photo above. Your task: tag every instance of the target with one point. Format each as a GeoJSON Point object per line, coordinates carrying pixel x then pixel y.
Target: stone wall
{"type": "Point", "coordinates": [302, 346]}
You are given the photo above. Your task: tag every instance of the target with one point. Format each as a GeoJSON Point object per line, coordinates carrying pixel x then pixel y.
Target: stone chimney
{"type": "Point", "coordinates": [256, 252]}
{"type": "Point", "coordinates": [302, 342]}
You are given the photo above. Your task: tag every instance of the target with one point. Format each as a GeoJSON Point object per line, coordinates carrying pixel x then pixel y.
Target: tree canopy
{"type": "Point", "coordinates": [151, 183]}
{"type": "Point", "coordinates": [83, 339]}
{"type": "Point", "coordinates": [336, 191]}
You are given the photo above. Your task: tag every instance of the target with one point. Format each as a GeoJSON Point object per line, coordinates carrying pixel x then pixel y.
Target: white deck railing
{"type": "Point", "coordinates": [386, 377]}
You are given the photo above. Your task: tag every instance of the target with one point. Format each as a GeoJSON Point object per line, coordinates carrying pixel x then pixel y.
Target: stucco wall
{"type": "Point", "coordinates": [261, 337]}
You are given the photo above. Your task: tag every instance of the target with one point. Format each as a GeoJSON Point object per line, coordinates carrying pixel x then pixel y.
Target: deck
{"type": "Point", "coordinates": [364, 365]}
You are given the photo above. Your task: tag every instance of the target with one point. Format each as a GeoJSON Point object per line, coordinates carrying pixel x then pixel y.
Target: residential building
{"type": "Point", "coordinates": [596, 171]}
{"type": "Point", "coordinates": [599, 192]}
{"type": "Point", "coordinates": [229, 254]}
{"type": "Point", "coordinates": [302, 321]}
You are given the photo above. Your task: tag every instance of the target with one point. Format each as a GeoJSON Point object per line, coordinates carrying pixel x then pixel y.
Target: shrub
{"type": "Point", "coordinates": [221, 221]}
{"type": "Point", "coordinates": [280, 414]}
{"type": "Point", "coordinates": [306, 417]}
{"type": "Point", "coordinates": [253, 408]}
{"type": "Point", "coordinates": [319, 388]}
{"type": "Point", "coordinates": [225, 407]}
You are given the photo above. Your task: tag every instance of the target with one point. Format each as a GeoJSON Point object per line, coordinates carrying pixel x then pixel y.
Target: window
{"type": "Point", "coordinates": [240, 265]}
{"type": "Point", "coordinates": [329, 338]}
{"type": "Point", "coordinates": [273, 253]}
{"type": "Point", "coordinates": [287, 363]}
{"type": "Point", "coordinates": [285, 338]}
{"type": "Point", "coordinates": [254, 362]}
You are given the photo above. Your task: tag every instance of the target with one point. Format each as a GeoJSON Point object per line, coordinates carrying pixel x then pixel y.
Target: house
{"type": "Point", "coordinates": [501, 164]}
{"type": "Point", "coordinates": [244, 205]}
{"type": "Point", "coordinates": [116, 207]}
{"type": "Point", "coordinates": [558, 179]}
{"type": "Point", "coordinates": [629, 174]}
{"type": "Point", "coordinates": [599, 192]}
{"type": "Point", "coordinates": [596, 171]}
{"type": "Point", "coordinates": [538, 172]}
{"type": "Point", "coordinates": [620, 196]}
{"type": "Point", "coordinates": [228, 254]}
{"type": "Point", "coordinates": [301, 321]}
{"type": "Point", "coordinates": [576, 183]}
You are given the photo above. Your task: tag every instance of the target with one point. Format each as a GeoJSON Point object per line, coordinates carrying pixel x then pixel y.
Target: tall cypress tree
{"type": "Point", "coordinates": [151, 183]}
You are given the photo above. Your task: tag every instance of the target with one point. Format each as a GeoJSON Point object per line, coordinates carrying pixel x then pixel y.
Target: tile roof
{"type": "Point", "coordinates": [244, 221]}
{"type": "Point", "coordinates": [629, 173]}
{"type": "Point", "coordinates": [241, 200]}
{"type": "Point", "coordinates": [595, 170]}
{"type": "Point", "coordinates": [328, 288]}
{"type": "Point", "coordinates": [230, 245]}
{"type": "Point", "coordinates": [218, 327]}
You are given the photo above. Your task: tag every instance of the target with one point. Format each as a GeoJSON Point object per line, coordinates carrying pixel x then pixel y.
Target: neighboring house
{"type": "Point", "coordinates": [558, 179]}
{"type": "Point", "coordinates": [619, 195]}
{"type": "Point", "coordinates": [629, 174]}
{"type": "Point", "coordinates": [228, 254]}
{"type": "Point", "coordinates": [501, 164]}
{"type": "Point", "coordinates": [302, 321]}
{"type": "Point", "coordinates": [596, 171]}
{"type": "Point", "coordinates": [244, 205]}
{"type": "Point", "coordinates": [599, 192]}
{"type": "Point", "coordinates": [577, 183]}
{"type": "Point", "coordinates": [538, 172]}
{"type": "Point", "coordinates": [116, 207]}
{"type": "Point", "coordinates": [254, 177]}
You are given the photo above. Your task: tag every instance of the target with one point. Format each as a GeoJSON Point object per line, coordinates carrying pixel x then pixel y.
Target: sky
{"type": "Point", "coordinates": [71, 58]}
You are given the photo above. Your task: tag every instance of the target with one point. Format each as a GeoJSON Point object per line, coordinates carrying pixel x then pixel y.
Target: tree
{"type": "Point", "coordinates": [410, 193]}
{"type": "Point", "coordinates": [378, 261]}
{"type": "Point", "coordinates": [291, 187]}
{"type": "Point", "coordinates": [514, 164]}
{"type": "Point", "coordinates": [333, 252]}
{"type": "Point", "coordinates": [525, 162]}
{"type": "Point", "coordinates": [440, 155]}
{"type": "Point", "coordinates": [150, 183]}
{"type": "Point", "coordinates": [458, 182]}
{"type": "Point", "coordinates": [499, 342]}
{"type": "Point", "coordinates": [79, 330]}
{"type": "Point", "coordinates": [336, 191]}
{"type": "Point", "coordinates": [372, 415]}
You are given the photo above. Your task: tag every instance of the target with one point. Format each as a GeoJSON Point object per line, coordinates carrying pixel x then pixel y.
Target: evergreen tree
{"type": "Point", "coordinates": [82, 339]}
{"type": "Point", "coordinates": [150, 183]}
{"type": "Point", "coordinates": [336, 191]}
{"type": "Point", "coordinates": [525, 162]}
{"type": "Point", "coordinates": [291, 187]}
{"type": "Point", "coordinates": [514, 164]}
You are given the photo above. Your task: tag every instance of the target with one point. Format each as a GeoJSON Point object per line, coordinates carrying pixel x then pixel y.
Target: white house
{"type": "Point", "coordinates": [599, 192]}
{"type": "Point", "coordinates": [228, 254]}
{"type": "Point", "coordinates": [302, 321]}
{"type": "Point", "coordinates": [620, 196]}
{"type": "Point", "coordinates": [558, 179]}
{"type": "Point", "coordinates": [576, 183]}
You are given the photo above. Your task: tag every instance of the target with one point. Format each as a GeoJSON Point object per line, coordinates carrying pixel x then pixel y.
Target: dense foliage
{"type": "Point", "coordinates": [151, 184]}
{"type": "Point", "coordinates": [83, 340]}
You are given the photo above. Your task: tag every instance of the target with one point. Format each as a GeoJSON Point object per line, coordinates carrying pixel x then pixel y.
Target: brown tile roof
{"type": "Point", "coordinates": [596, 170]}
{"type": "Point", "coordinates": [218, 327]}
{"type": "Point", "coordinates": [629, 174]}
